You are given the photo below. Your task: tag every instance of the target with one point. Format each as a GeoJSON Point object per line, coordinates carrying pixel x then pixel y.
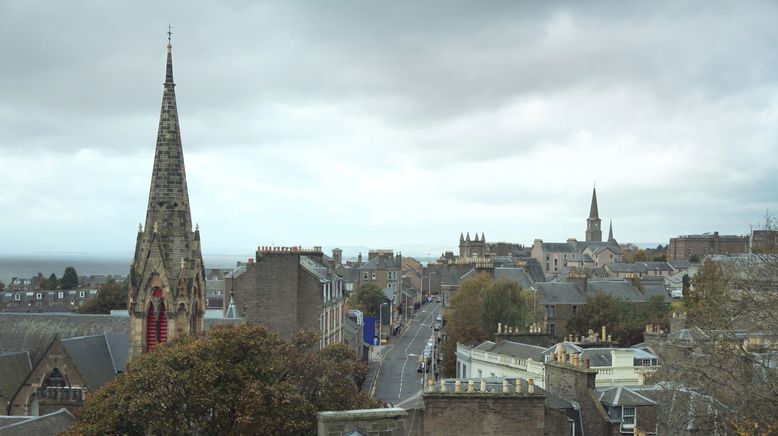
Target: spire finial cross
{"type": "Point", "coordinates": [169, 32]}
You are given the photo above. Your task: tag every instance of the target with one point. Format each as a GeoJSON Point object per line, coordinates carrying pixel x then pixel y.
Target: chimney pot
{"type": "Point", "coordinates": [531, 386]}
{"type": "Point", "coordinates": [470, 386]}
{"type": "Point", "coordinates": [458, 386]}
{"type": "Point", "coordinates": [483, 385]}
{"type": "Point", "coordinates": [442, 385]}
{"type": "Point", "coordinates": [499, 327]}
{"type": "Point", "coordinates": [505, 388]}
{"type": "Point", "coordinates": [518, 385]}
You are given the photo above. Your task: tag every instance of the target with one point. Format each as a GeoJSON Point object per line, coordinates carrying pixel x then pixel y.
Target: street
{"type": "Point", "coordinates": [397, 380]}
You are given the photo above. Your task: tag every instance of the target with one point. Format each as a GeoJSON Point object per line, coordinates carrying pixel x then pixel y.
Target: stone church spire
{"type": "Point", "coordinates": [593, 230]}
{"type": "Point", "coordinates": [610, 232]}
{"type": "Point", "coordinates": [167, 278]}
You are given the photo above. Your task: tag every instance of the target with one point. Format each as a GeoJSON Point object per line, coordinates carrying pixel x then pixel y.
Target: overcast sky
{"type": "Point", "coordinates": [389, 124]}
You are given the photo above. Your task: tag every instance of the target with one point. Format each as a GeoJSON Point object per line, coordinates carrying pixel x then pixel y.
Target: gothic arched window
{"type": "Point", "coordinates": [156, 321]}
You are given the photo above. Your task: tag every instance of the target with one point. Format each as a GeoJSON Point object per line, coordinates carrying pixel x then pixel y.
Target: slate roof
{"type": "Point", "coordinates": [33, 332]}
{"type": "Point", "coordinates": [518, 350]}
{"type": "Point", "coordinates": [50, 424]}
{"type": "Point", "coordinates": [92, 358]}
{"type": "Point", "coordinates": [623, 396]}
{"type": "Point", "coordinates": [617, 288]}
{"type": "Point", "coordinates": [389, 263]}
{"type": "Point", "coordinates": [514, 274]}
{"type": "Point", "coordinates": [559, 247]}
{"type": "Point", "coordinates": [14, 369]}
{"type": "Point", "coordinates": [560, 293]}
{"type": "Point", "coordinates": [652, 287]}
{"type": "Point", "coordinates": [535, 270]}
{"type": "Point", "coordinates": [318, 270]}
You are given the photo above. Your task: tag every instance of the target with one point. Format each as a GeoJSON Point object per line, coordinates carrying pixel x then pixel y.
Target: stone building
{"type": "Point", "coordinates": [287, 289]}
{"type": "Point", "coordinates": [684, 246]}
{"type": "Point", "coordinates": [167, 278]}
{"type": "Point", "coordinates": [591, 253]}
{"type": "Point", "coordinates": [382, 269]}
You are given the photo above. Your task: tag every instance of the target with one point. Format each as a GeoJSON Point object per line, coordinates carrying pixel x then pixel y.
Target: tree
{"type": "Point", "coordinates": [624, 320]}
{"type": "Point", "coordinates": [465, 320]}
{"type": "Point", "coordinates": [69, 279]}
{"type": "Point", "coordinates": [694, 258]}
{"type": "Point", "coordinates": [368, 298]}
{"type": "Point", "coordinates": [51, 283]}
{"type": "Point", "coordinates": [505, 302]}
{"type": "Point", "coordinates": [112, 296]}
{"type": "Point", "coordinates": [728, 357]}
{"type": "Point", "coordinates": [2, 286]}
{"type": "Point", "coordinates": [240, 379]}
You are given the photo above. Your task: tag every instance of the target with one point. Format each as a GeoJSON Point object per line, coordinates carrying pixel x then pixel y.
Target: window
{"type": "Point", "coordinates": [364, 275]}
{"type": "Point", "coordinates": [17, 297]}
{"type": "Point", "coordinates": [81, 294]}
{"type": "Point", "coordinates": [373, 276]}
{"type": "Point", "coordinates": [551, 312]}
{"type": "Point", "coordinates": [628, 417]}
{"type": "Point", "coordinates": [575, 309]}
{"type": "Point", "coordinates": [555, 262]}
{"type": "Point", "coordinates": [551, 329]}
{"type": "Point", "coordinates": [60, 295]}
{"type": "Point", "coordinates": [39, 296]}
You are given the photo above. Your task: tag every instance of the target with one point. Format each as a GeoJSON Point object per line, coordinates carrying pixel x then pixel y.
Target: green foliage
{"type": "Point", "coordinates": [694, 258]}
{"type": "Point", "coordinates": [505, 302]}
{"type": "Point", "coordinates": [477, 306]}
{"type": "Point", "coordinates": [112, 296]}
{"type": "Point", "coordinates": [51, 283]}
{"type": "Point", "coordinates": [465, 320]}
{"type": "Point", "coordinates": [2, 286]}
{"type": "Point", "coordinates": [708, 301]}
{"type": "Point", "coordinates": [367, 298]}
{"type": "Point", "coordinates": [625, 321]}
{"type": "Point", "coordinates": [239, 379]}
{"type": "Point", "coordinates": [69, 279]}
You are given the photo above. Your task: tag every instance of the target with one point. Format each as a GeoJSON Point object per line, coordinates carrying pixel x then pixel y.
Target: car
{"type": "Point", "coordinates": [436, 326]}
{"type": "Point", "coordinates": [439, 319]}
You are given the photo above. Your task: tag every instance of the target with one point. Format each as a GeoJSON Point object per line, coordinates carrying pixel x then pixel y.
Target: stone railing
{"type": "Point", "coordinates": [72, 393]}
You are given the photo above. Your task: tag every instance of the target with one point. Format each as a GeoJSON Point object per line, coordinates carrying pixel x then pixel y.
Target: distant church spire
{"type": "Point", "coordinates": [610, 232]}
{"type": "Point", "coordinates": [593, 230]}
{"type": "Point", "coordinates": [167, 278]}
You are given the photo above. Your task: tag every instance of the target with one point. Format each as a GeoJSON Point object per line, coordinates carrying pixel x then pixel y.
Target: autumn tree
{"type": "Point", "coordinates": [240, 379]}
{"type": "Point", "coordinates": [465, 320]}
{"type": "Point", "coordinates": [728, 355]}
{"type": "Point", "coordinates": [112, 296]}
{"type": "Point", "coordinates": [367, 298]}
{"type": "Point", "coordinates": [507, 303]}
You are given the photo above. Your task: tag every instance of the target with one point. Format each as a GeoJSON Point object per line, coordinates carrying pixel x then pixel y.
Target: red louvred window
{"type": "Point", "coordinates": [151, 329]}
{"type": "Point", "coordinates": [162, 327]}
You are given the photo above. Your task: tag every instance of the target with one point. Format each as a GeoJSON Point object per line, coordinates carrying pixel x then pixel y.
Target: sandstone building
{"type": "Point", "coordinates": [684, 246]}
{"type": "Point", "coordinates": [167, 278]}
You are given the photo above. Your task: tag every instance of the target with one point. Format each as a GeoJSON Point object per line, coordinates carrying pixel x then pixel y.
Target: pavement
{"type": "Point", "coordinates": [393, 376]}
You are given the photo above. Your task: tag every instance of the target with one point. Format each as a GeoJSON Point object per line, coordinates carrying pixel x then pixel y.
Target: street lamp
{"type": "Point", "coordinates": [381, 324]}
{"type": "Point", "coordinates": [534, 305]}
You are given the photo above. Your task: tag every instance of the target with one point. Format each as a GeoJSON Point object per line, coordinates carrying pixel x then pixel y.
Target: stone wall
{"type": "Point", "coordinates": [449, 413]}
{"type": "Point", "coordinates": [577, 384]}
{"type": "Point", "coordinates": [372, 422]}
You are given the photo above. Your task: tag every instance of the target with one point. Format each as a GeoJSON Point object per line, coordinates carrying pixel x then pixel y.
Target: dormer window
{"type": "Point", "coordinates": [628, 417]}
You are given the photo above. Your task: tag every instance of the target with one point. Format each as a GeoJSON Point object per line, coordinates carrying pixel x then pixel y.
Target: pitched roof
{"type": "Point", "coordinates": [560, 293]}
{"type": "Point", "coordinates": [518, 350]}
{"type": "Point", "coordinates": [623, 396]}
{"type": "Point", "coordinates": [514, 274]}
{"type": "Point", "coordinates": [389, 263]}
{"type": "Point", "coordinates": [318, 270]}
{"type": "Point", "coordinates": [49, 424]}
{"type": "Point", "coordinates": [617, 288]}
{"type": "Point", "coordinates": [92, 358]}
{"type": "Point", "coordinates": [14, 369]}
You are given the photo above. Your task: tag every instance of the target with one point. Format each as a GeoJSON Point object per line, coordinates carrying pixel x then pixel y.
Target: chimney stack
{"type": "Point", "coordinates": [531, 386]}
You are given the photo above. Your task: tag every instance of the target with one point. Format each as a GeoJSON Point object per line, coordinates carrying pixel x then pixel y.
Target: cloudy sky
{"type": "Point", "coordinates": [389, 124]}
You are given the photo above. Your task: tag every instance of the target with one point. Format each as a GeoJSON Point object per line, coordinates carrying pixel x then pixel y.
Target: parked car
{"type": "Point", "coordinates": [436, 326]}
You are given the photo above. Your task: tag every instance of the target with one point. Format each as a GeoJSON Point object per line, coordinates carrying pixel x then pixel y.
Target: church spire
{"type": "Point", "coordinates": [166, 289]}
{"type": "Point", "coordinates": [593, 212]}
{"type": "Point", "coordinates": [168, 196]}
{"type": "Point", "coordinates": [593, 230]}
{"type": "Point", "coordinates": [610, 232]}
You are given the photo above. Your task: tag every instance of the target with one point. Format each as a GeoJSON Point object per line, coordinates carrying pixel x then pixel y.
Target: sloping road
{"type": "Point", "coordinates": [397, 379]}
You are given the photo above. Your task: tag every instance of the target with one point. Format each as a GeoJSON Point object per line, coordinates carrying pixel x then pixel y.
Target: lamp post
{"type": "Point", "coordinates": [534, 305]}
{"type": "Point", "coordinates": [381, 324]}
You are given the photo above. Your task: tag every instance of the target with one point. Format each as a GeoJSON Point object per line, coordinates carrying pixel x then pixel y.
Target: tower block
{"type": "Point", "coordinates": [167, 277]}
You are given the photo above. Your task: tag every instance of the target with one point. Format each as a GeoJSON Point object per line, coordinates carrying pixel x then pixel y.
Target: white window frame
{"type": "Point", "coordinates": [17, 297]}
{"type": "Point", "coordinates": [632, 416]}
{"type": "Point", "coordinates": [60, 295]}
{"type": "Point", "coordinates": [39, 295]}
{"type": "Point", "coordinates": [81, 294]}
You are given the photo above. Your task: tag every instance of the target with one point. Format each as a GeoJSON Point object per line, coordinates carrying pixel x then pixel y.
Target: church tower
{"type": "Point", "coordinates": [593, 230]}
{"type": "Point", "coordinates": [167, 278]}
